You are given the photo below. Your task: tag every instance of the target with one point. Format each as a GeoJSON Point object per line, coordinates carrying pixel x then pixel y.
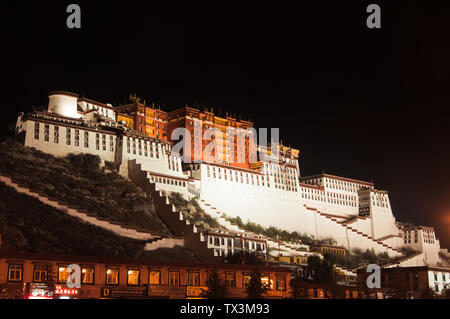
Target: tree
{"type": "Point", "coordinates": [245, 258]}
{"type": "Point", "coordinates": [255, 288]}
{"type": "Point", "coordinates": [216, 287]}
{"type": "Point", "coordinates": [446, 293]}
{"type": "Point", "coordinates": [51, 280]}
{"type": "Point", "coordinates": [320, 270]}
{"type": "Point", "coordinates": [299, 289]}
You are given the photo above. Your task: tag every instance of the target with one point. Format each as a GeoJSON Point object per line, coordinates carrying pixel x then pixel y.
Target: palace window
{"type": "Point", "coordinates": [68, 136]}
{"type": "Point", "coordinates": [194, 279]}
{"type": "Point", "coordinates": [104, 141]}
{"type": "Point", "coordinates": [87, 275]}
{"type": "Point", "coordinates": [36, 130]}
{"type": "Point", "coordinates": [97, 142]}
{"type": "Point", "coordinates": [56, 134]}
{"type": "Point", "coordinates": [133, 277]}
{"type": "Point", "coordinates": [112, 276]}
{"type": "Point", "coordinates": [174, 278]}
{"type": "Point", "coordinates": [46, 132]}
{"type": "Point", "coordinates": [154, 277]}
{"type": "Point", "coordinates": [86, 139]}
{"type": "Point", "coordinates": [40, 273]}
{"type": "Point", "coordinates": [77, 138]}
{"type": "Point", "coordinates": [111, 143]}
{"type": "Point", "coordinates": [15, 272]}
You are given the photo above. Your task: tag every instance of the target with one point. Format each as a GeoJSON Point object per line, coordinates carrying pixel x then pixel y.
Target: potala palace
{"type": "Point", "coordinates": [269, 191]}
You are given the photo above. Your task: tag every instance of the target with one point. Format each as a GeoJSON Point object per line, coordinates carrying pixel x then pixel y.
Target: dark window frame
{"type": "Point", "coordinates": [10, 265]}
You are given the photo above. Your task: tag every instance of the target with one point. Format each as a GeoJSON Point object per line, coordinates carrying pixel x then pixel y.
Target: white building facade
{"type": "Point", "coordinates": [350, 211]}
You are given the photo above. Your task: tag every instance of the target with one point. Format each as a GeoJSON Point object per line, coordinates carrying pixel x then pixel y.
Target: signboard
{"type": "Point", "coordinates": [195, 291]}
{"type": "Point", "coordinates": [158, 290]}
{"type": "Point", "coordinates": [274, 293]}
{"type": "Point", "coordinates": [177, 292]}
{"type": "Point", "coordinates": [64, 291]}
{"type": "Point", "coordinates": [117, 292]}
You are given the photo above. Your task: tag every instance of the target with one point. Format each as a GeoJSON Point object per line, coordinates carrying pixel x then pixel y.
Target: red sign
{"type": "Point", "coordinates": [59, 290]}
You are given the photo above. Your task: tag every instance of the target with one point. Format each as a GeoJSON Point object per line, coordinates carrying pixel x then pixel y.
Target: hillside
{"type": "Point", "coordinates": [28, 225]}
{"type": "Point", "coordinates": [79, 181]}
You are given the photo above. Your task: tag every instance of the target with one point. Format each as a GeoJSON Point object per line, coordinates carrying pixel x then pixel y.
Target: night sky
{"type": "Point", "coordinates": [360, 103]}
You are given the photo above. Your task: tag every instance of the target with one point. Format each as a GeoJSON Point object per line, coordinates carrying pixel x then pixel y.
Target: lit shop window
{"type": "Point", "coordinates": [281, 282]}
{"type": "Point", "coordinates": [230, 279]}
{"type": "Point", "coordinates": [40, 273]}
{"type": "Point", "coordinates": [63, 274]}
{"type": "Point", "coordinates": [194, 279]}
{"type": "Point", "coordinates": [174, 278]}
{"type": "Point", "coordinates": [133, 277]}
{"type": "Point", "coordinates": [87, 275]}
{"type": "Point", "coordinates": [246, 280]}
{"type": "Point", "coordinates": [266, 282]}
{"type": "Point", "coordinates": [112, 276]}
{"type": "Point", "coordinates": [154, 277]}
{"type": "Point", "coordinates": [15, 272]}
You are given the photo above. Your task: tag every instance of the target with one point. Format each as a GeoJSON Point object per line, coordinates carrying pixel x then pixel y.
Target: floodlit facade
{"type": "Point", "coordinates": [267, 189]}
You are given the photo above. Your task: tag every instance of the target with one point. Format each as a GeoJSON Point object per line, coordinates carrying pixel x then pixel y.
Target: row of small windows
{"type": "Point", "coordinates": [332, 198]}
{"type": "Point", "coordinates": [101, 110]}
{"type": "Point", "coordinates": [147, 150]}
{"type": "Point", "coordinates": [168, 181]}
{"type": "Point", "coordinates": [106, 143]}
{"type": "Point", "coordinates": [228, 174]}
{"type": "Point", "coordinates": [336, 184]}
{"type": "Point", "coordinates": [428, 236]}
{"type": "Point", "coordinates": [278, 168]}
{"type": "Point", "coordinates": [41, 273]}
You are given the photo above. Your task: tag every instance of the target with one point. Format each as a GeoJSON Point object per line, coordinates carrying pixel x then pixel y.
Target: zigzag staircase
{"type": "Point", "coordinates": [193, 235]}
{"type": "Point", "coordinates": [345, 224]}
{"type": "Point", "coordinates": [114, 227]}
{"type": "Point", "coordinates": [175, 221]}
{"type": "Point", "coordinates": [290, 248]}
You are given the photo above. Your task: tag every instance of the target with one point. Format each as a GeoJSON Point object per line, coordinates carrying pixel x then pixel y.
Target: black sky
{"type": "Point", "coordinates": [366, 104]}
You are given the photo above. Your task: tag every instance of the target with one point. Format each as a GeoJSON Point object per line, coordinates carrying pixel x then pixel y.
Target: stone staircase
{"type": "Point", "coordinates": [193, 236]}
{"type": "Point", "coordinates": [368, 239]}
{"type": "Point", "coordinates": [114, 227]}
{"type": "Point", "coordinates": [290, 248]}
{"type": "Point", "coordinates": [164, 243]}
{"type": "Point", "coordinates": [187, 233]}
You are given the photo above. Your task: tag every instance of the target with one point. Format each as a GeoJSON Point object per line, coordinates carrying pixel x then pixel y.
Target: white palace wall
{"type": "Point", "coordinates": [60, 146]}
{"type": "Point", "coordinates": [263, 205]}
